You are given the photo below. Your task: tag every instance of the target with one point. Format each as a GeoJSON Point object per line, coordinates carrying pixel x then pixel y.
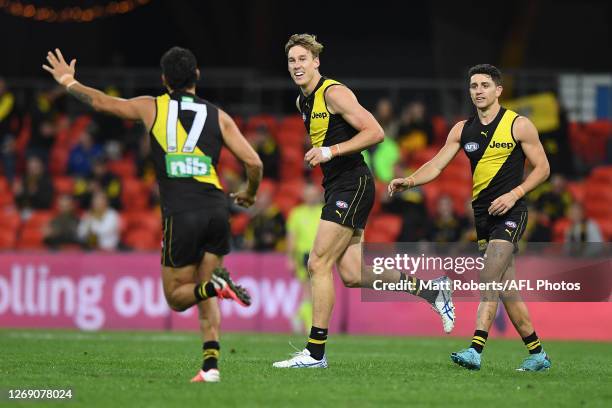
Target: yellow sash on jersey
{"type": "Point", "coordinates": [319, 116]}
{"type": "Point", "coordinates": [495, 155]}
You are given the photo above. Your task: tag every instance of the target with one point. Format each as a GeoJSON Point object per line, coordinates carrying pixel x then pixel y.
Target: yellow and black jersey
{"type": "Point", "coordinates": [496, 158]}
{"type": "Point", "coordinates": [185, 145]}
{"type": "Point", "coordinates": [327, 129]}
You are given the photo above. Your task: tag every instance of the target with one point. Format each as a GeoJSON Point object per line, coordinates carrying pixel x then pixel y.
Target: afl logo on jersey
{"type": "Point", "coordinates": [471, 147]}
{"type": "Point", "coordinates": [304, 117]}
{"type": "Point", "coordinates": [511, 224]}
{"type": "Point", "coordinates": [341, 204]}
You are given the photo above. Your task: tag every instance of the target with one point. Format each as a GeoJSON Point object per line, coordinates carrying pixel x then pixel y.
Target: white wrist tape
{"type": "Point", "coordinates": [66, 78]}
{"type": "Point", "coordinates": [326, 152]}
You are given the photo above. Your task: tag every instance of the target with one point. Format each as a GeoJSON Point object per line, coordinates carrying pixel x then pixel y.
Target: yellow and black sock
{"type": "Point", "coordinates": [204, 290]}
{"type": "Point", "coordinates": [415, 288]}
{"type": "Point", "coordinates": [532, 342]}
{"type": "Point", "coordinates": [479, 340]}
{"type": "Point", "coordinates": [316, 342]}
{"type": "Point", "coordinates": [210, 352]}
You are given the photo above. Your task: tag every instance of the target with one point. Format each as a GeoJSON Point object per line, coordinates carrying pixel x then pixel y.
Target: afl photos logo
{"type": "Point", "coordinates": [471, 147]}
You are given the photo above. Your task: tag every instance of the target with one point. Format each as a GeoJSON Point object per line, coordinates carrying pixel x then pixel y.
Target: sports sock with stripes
{"type": "Point", "coordinates": [532, 342]}
{"type": "Point", "coordinates": [479, 340]}
{"type": "Point", "coordinates": [210, 352]}
{"type": "Point", "coordinates": [204, 290]}
{"type": "Point", "coordinates": [415, 288]}
{"type": "Point", "coordinates": [316, 342]}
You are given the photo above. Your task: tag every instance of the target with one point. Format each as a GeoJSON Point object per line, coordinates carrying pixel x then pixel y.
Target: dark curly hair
{"type": "Point", "coordinates": [179, 67]}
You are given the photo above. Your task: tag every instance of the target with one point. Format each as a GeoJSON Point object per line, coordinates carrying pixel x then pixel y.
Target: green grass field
{"type": "Point", "coordinates": [151, 369]}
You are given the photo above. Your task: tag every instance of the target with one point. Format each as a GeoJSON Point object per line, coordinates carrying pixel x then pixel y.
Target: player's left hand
{"type": "Point", "coordinates": [62, 72]}
{"type": "Point", "coordinates": [502, 204]}
{"type": "Point", "coordinates": [316, 156]}
{"type": "Point", "coordinates": [243, 199]}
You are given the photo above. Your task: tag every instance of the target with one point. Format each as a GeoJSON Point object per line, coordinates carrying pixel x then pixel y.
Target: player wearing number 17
{"type": "Point", "coordinates": [186, 134]}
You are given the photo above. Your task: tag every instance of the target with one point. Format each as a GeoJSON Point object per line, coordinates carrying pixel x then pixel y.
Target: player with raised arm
{"type": "Point", "coordinates": [340, 128]}
{"type": "Point", "coordinates": [496, 141]}
{"type": "Point", "coordinates": [186, 133]}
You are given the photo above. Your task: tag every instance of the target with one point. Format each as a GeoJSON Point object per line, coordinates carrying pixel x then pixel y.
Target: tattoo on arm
{"type": "Point", "coordinates": [83, 97]}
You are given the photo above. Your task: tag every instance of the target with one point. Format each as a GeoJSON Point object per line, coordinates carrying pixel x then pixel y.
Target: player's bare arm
{"type": "Point", "coordinates": [238, 145]}
{"type": "Point", "coordinates": [432, 169]}
{"type": "Point", "coordinates": [139, 108]}
{"type": "Point", "coordinates": [526, 134]}
{"type": "Point", "coordinates": [342, 101]}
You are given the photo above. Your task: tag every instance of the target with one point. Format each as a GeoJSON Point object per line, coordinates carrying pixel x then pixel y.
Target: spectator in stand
{"type": "Point", "coordinates": [383, 156]}
{"type": "Point", "coordinates": [553, 199]}
{"type": "Point", "coordinates": [8, 131]}
{"type": "Point", "coordinates": [446, 226]}
{"type": "Point", "coordinates": [35, 190]}
{"type": "Point", "coordinates": [582, 229]}
{"type": "Point", "coordinates": [99, 227]}
{"type": "Point", "coordinates": [386, 118]}
{"type": "Point", "coordinates": [101, 180]}
{"type": "Point", "coordinates": [558, 148]}
{"type": "Point", "coordinates": [62, 229]}
{"type": "Point", "coordinates": [267, 149]}
{"type": "Point", "coordinates": [410, 205]}
{"type": "Point", "coordinates": [415, 129]}
{"type": "Point", "coordinates": [44, 126]}
{"type": "Point", "coordinates": [266, 230]}
{"type": "Point", "coordinates": [83, 155]}
{"type": "Point", "coordinates": [539, 226]}
{"type": "Point", "coordinates": [302, 226]}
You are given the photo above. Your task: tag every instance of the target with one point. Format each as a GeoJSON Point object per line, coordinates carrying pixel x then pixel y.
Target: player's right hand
{"type": "Point", "coordinates": [243, 199]}
{"type": "Point", "coordinates": [399, 184]}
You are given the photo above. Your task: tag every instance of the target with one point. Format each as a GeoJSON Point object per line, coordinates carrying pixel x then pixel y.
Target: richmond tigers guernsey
{"type": "Point", "coordinates": [185, 145]}
{"type": "Point", "coordinates": [326, 129]}
{"type": "Point", "coordinates": [496, 158]}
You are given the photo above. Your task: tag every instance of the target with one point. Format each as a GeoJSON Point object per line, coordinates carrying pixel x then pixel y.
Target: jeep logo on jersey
{"type": "Point", "coordinates": [318, 115]}
{"type": "Point", "coordinates": [187, 165]}
{"type": "Point", "coordinates": [471, 147]}
{"type": "Point", "coordinates": [341, 204]}
{"type": "Point", "coordinates": [504, 145]}
{"type": "Point", "coordinates": [510, 224]}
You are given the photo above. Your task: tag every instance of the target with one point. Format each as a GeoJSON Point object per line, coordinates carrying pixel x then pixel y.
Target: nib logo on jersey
{"type": "Point", "coordinates": [187, 165]}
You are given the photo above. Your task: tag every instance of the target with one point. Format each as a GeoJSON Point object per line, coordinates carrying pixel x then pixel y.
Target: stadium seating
{"type": "Point", "coordinates": [31, 236]}
{"type": "Point", "coordinates": [141, 225]}
{"type": "Point", "coordinates": [9, 226]}
{"type": "Point", "coordinates": [135, 194]}
{"type": "Point", "coordinates": [123, 169]}
{"type": "Point", "coordinates": [141, 229]}
{"type": "Point", "coordinates": [383, 228]}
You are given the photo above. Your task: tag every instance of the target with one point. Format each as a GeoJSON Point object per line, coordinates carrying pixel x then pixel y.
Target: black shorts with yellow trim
{"type": "Point", "coordinates": [508, 227]}
{"type": "Point", "coordinates": [349, 199]}
{"type": "Point", "coordinates": [187, 235]}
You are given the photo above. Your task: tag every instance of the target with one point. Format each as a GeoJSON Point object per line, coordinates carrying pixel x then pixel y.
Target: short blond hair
{"type": "Point", "coordinates": [307, 41]}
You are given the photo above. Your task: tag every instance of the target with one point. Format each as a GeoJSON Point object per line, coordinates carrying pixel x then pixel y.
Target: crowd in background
{"type": "Point", "coordinates": [89, 214]}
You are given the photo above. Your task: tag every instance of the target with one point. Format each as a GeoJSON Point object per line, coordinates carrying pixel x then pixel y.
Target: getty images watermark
{"type": "Point", "coordinates": [540, 272]}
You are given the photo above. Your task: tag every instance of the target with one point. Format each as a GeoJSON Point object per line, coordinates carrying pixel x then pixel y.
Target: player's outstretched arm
{"type": "Point", "coordinates": [238, 145]}
{"type": "Point", "coordinates": [527, 135]}
{"type": "Point", "coordinates": [140, 108]}
{"type": "Point", "coordinates": [341, 101]}
{"type": "Point", "coordinates": [432, 169]}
